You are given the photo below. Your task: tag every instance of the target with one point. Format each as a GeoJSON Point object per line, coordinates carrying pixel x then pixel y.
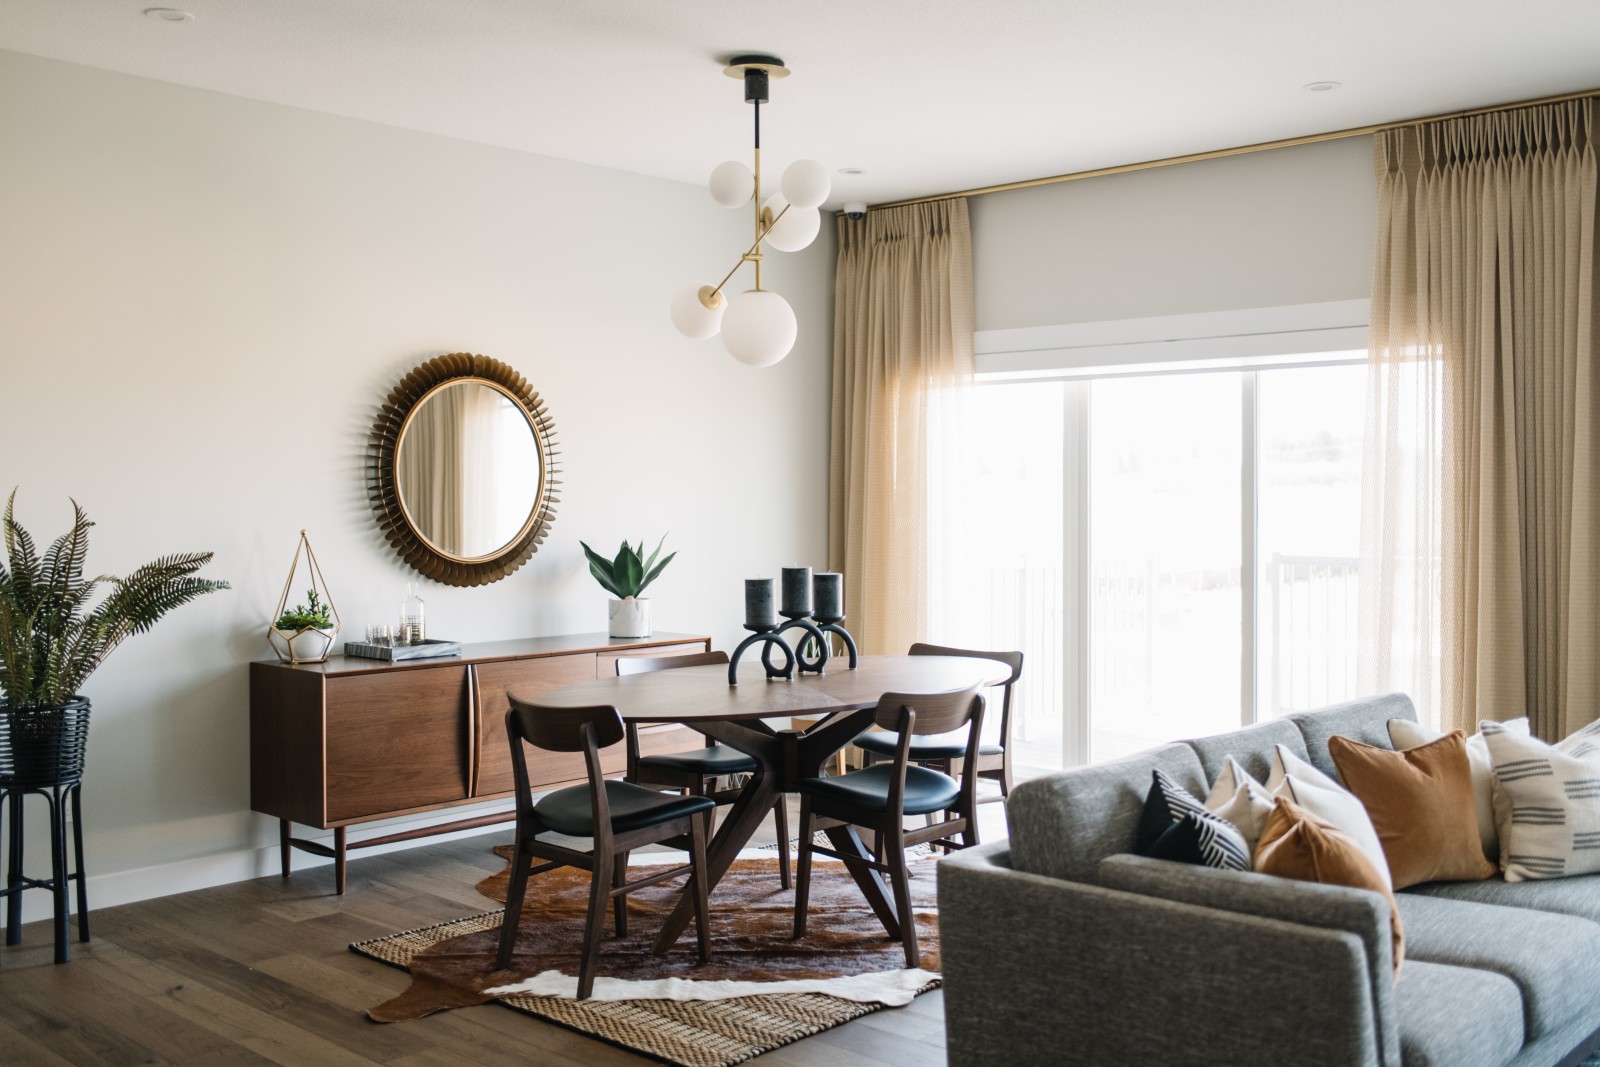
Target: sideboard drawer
{"type": "Point", "coordinates": [527, 679]}
{"type": "Point", "coordinates": [396, 741]}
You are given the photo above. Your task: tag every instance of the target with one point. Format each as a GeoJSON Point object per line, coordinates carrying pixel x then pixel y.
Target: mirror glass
{"type": "Point", "coordinates": [468, 468]}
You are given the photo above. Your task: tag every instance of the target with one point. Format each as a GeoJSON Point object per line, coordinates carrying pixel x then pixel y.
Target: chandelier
{"type": "Point", "coordinates": [758, 326]}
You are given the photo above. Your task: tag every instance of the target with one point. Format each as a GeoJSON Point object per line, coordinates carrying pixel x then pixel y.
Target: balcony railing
{"type": "Point", "coordinates": [1312, 641]}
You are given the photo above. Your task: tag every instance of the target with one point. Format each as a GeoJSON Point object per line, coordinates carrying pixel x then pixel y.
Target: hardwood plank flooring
{"type": "Point", "coordinates": [258, 973]}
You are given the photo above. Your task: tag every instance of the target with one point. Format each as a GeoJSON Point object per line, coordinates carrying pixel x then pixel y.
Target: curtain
{"type": "Point", "coordinates": [1481, 531]}
{"type": "Point", "coordinates": [902, 362]}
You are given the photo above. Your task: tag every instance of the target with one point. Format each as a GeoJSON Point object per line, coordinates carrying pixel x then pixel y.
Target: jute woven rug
{"type": "Point", "coordinates": [452, 963]}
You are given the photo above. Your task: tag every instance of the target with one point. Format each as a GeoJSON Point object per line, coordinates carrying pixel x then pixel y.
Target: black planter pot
{"type": "Point", "coordinates": [44, 745]}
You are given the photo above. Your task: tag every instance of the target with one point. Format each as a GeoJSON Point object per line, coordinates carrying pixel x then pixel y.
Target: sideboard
{"type": "Point", "coordinates": [352, 741]}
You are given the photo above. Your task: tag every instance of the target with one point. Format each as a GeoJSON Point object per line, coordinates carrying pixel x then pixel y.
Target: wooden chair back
{"type": "Point", "coordinates": [1010, 659]}
{"type": "Point", "coordinates": [932, 713]}
{"type": "Point", "coordinates": [645, 664]}
{"type": "Point", "coordinates": [562, 729]}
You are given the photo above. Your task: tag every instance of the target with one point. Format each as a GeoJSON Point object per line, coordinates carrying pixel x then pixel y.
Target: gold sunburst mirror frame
{"type": "Point", "coordinates": [399, 432]}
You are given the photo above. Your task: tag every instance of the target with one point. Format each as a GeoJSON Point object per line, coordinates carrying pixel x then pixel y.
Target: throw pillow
{"type": "Point", "coordinates": [1403, 734]}
{"type": "Point", "coordinates": [1240, 799]}
{"type": "Point", "coordinates": [1176, 826]}
{"type": "Point", "coordinates": [1325, 798]}
{"type": "Point", "coordinates": [1549, 800]}
{"type": "Point", "coordinates": [1420, 804]}
{"type": "Point", "coordinates": [1296, 844]}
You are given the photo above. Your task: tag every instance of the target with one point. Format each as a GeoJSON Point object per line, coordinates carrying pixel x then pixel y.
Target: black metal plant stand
{"type": "Point", "coordinates": [42, 753]}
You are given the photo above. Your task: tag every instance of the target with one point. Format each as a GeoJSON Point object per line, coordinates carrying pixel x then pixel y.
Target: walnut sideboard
{"type": "Point", "coordinates": [352, 741]}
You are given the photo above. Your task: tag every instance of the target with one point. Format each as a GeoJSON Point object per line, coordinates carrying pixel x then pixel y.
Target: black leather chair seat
{"type": "Point", "coordinates": [633, 807]}
{"type": "Point", "coordinates": [933, 747]}
{"type": "Point", "coordinates": [926, 790]}
{"type": "Point", "coordinates": [707, 762]}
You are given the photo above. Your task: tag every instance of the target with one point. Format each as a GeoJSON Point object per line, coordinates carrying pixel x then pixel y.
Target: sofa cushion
{"type": "Point", "coordinates": [1554, 959]}
{"type": "Point", "coordinates": [1176, 826]}
{"type": "Point", "coordinates": [1420, 801]}
{"type": "Point", "coordinates": [1063, 825]}
{"type": "Point", "coordinates": [1578, 896]}
{"type": "Point", "coordinates": [1437, 1029]}
{"type": "Point", "coordinates": [1365, 720]}
{"type": "Point", "coordinates": [1252, 747]}
{"type": "Point", "coordinates": [1297, 844]}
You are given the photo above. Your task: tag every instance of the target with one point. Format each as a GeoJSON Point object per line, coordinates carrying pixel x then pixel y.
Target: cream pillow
{"type": "Point", "coordinates": [1337, 805]}
{"type": "Point", "coordinates": [1284, 762]}
{"type": "Point", "coordinates": [1547, 798]}
{"type": "Point", "coordinates": [1404, 734]}
{"type": "Point", "coordinates": [1241, 800]}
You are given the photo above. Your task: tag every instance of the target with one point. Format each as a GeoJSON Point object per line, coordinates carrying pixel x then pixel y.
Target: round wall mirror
{"type": "Point", "coordinates": [463, 469]}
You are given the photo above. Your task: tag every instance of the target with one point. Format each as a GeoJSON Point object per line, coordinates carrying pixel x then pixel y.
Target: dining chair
{"type": "Point", "coordinates": [697, 771]}
{"type": "Point", "coordinates": [994, 759]}
{"type": "Point", "coordinates": [878, 798]}
{"type": "Point", "coordinates": [619, 816]}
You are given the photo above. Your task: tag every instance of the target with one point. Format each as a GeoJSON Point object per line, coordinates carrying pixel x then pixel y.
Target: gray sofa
{"type": "Point", "coordinates": [1060, 947]}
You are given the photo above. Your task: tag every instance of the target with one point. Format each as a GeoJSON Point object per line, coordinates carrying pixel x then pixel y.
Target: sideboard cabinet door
{"type": "Point", "coordinates": [527, 678]}
{"type": "Point", "coordinates": [396, 741]}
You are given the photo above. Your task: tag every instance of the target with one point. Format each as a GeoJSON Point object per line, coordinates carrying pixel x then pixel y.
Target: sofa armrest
{"type": "Point", "coordinates": [1041, 970]}
{"type": "Point", "coordinates": [1332, 907]}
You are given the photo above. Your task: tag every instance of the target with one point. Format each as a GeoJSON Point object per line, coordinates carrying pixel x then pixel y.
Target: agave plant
{"type": "Point", "coordinates": [52, 635]}
{"type": "Point", "coordinates": [628, 575]}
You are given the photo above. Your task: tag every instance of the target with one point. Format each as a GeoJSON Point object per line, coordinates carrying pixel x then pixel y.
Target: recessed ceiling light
{"type": "Point", "coordinates": [1321, 87]}
{"type": "Point", "coordinates": [852, 170]}
{"type": "Point", "coordinates": [168, 14]}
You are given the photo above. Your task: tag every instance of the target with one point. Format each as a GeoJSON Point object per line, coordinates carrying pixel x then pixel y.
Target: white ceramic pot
{"type": "Point", "coordinates": [303, 646]}
{"type": "Point", "coordinates": [630, 617]}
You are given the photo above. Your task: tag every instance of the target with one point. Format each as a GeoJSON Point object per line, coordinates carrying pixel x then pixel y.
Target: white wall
{"type": "Point", "coordinates": [1287, 226]}
{"type": "Point", "coordinates": [203, 301]}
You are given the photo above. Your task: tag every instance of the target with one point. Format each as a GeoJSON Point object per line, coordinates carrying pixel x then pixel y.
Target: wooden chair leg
{"type": "Point", "coordinates": [895, 848]}
{"type": "Point", "coordinates": [513, 915]}
{"type": "Point", "coordinates": [780, 823]}
{"type": "Point", "coordinates": [802, 880]}
{"type": "Point", "coordinates": [619, 903]}
{"type": "Point", "coordinates": [698, 885]}
{"type": "Point", "coordinates": [594, 929]}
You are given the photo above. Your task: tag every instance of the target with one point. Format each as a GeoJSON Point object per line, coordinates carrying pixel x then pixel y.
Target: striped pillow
{"type": "Point", "coordinates": [1176, 826]}
{"type": "Point", "coordinates": [1547, 802]}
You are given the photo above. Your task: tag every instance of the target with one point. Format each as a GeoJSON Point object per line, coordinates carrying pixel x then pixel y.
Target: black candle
{"type": "Point", "coordinates": [758, 606]}
{"type": "Point", "coordinates": [829, 586]}
{"type": "Point", "coordinates": [796, 591]}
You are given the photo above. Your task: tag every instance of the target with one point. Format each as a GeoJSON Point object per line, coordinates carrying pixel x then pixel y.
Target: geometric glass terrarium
{"type": "Point", "coordinates": [305, 632]}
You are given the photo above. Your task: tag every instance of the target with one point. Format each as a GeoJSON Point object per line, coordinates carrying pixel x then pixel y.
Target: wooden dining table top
{"type": "Point", "coordinates": [702, 694]}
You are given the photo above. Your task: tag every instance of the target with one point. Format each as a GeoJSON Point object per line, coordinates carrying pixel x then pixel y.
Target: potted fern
{"type": "Point", "coordinates": [626, 577]}
{"type": "Point", "coordinates": [53, 635]}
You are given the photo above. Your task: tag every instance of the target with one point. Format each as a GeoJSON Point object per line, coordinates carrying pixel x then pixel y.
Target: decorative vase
{"type": "Point", "coordinates": [302, 646]}
{"type": "Point", "coordinates": [44, 745]}
{"type": "Point", "coordinates": [630, 617]}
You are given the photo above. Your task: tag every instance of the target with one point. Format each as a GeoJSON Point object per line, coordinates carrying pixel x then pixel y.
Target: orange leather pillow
{"type": "Point", "coordinates": [1296, 844]}
{"type": "Point", "coordinates": [1420, 801]}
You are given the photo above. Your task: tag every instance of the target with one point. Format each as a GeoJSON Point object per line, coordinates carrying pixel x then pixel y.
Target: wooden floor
{"type": "Point", "coordinates": [258, 972]}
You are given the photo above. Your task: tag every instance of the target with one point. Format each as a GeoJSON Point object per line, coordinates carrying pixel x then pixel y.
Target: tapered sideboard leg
{"type": "Point", "coordinates": [338, 859]}
{"type": "Point", "coordinates": [284, 848]}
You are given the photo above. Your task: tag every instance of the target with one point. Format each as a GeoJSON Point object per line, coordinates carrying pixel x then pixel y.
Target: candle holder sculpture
{"type": "Point", "coordinates": [831, 626]}
{"type": "Point", "coordinates": [767, 637]}
{"type": "Point", "coordinates": [803, 622]}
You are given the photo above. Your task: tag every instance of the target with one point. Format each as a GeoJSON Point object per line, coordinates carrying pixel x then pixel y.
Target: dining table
{"type": "Point", "coordinates": [839, 702]}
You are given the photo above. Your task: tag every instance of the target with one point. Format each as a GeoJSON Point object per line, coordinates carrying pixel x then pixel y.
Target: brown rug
{"type": "Point", "coordinates": [452, 963]}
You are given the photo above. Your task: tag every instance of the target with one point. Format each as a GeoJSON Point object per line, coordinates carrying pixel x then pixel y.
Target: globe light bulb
{"type": "Point", "coordinates": [691, 316]}
{"type": "Point", "coordinates": [759, 328]}
{"type": "Point", "coordinates": [732, 183]}
{"type": "Point", "coordinates": [796, 228]}
{"type": "Point", "coordinates": [805, 183]}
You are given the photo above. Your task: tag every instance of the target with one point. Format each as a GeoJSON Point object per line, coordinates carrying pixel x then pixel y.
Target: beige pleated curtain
{"type": "Point", "coordinates": [902, 359]}
{"type": "Point", "coordinates": [1482, 510]}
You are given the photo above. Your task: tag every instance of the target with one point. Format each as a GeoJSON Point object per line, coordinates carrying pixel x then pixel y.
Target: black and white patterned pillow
{"type": "Point", "coordinates": [1176, 826]}
{"type": "Point", "coordinates": [1547, 802]}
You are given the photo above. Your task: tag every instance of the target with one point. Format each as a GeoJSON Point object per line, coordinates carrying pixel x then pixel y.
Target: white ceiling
{"type": "Point", "coordinates": [927, 96]}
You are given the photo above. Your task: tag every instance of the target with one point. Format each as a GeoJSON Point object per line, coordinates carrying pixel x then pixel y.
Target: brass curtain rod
{"type": "Point", "coordinates": [1242, 150]}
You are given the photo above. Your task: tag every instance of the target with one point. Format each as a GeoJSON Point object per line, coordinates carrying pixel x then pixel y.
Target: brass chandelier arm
{"type": "Point", "coordinates": [708, 297]}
